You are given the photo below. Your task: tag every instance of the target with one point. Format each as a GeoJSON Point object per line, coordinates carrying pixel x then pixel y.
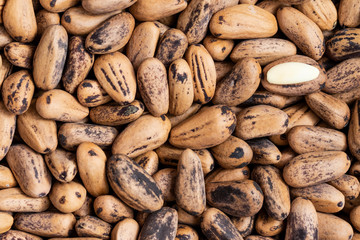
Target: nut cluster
{"type": "Point", "coordinates": [176, 119]}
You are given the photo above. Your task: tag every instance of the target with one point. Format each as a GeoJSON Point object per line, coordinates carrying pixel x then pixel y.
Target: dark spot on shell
{"type": "Point", "coordinates": [67, 19]}
{"type": "Point", "coordinates": [340, 204]}
{"type": "Point", "coordinates": [163, 117]}
{"type": "Point", "coordinates": [62, 200]}
{"type": "Point", "coordinates": [78, 195]}
{"type": "Point", "coordinates": [52, 3]}
{"type": "Point", "coordinates": [92, 153]}
{"type": "Point", "coordinates": [86, 84]}
{"type": "Point", "coordinates": [62, 140]}
{"type": "Point", "coordinates": [238, 153]}
{"type": "Point", "coordinates": [48, 100]}
{"type": "Point", "coordinates": [47, 150]}
{"type": "Point", "coordinates": [99, 210]}
{"type": "Point", "coordinates": [63, 175]}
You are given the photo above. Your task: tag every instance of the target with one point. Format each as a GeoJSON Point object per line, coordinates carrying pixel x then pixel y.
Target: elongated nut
{"type": "Point", "coordinates": [208, 128]}
{"type": "Point", "coordinates": [190, 185]}
{"type": "Point", "coordinates": [302, 216]}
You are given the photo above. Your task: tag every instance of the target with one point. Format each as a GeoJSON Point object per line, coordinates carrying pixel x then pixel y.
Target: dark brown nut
{"type": "Point", "coordinates": [6, 221]}
{"type": "Point", "coordinates": [194, 20]}
{"type": "Point", "coordinates": [5, 38]}
{"type": "Point", "coordinates": [58, 5]}
{"type": "Point", "coordinates": [38, 133]}
{"type": "Point", "coordinates": [143, 42]}
{"type": "Point", "coordinates": [239, 199]}
{"type": "Point", "coordinates": [29, 170]}
{"type": "Point", "coordinates": [149, 161]}
{"type": "Point", "coordinates": [266, 98]}
{"type": "Point", "coordinates": [7, 179]}
{"type": "Point", "coordinates": [286, 155]}
{"type": "Point", "coordinates": [79, 62]}
{"type": "Point", "coordinates": [91, 161]}
{"type": "Point", "coordinates": [153, 86]}
{"type": "Point", "coordinates": [90, 226]}
{"type": "Point", "coordinates": [181, 88]}
{"type": "Point", "coordinates": [172, 46]}
{"type": "Point", "coordinates": [240, 84]}
{"type": "Point", "coordinates": [62, 165]}
{"type": "Point", "coordinates": [91, 94]}
{"type": "Point", "coordinates": [190, 184]}
{"type": "Point", "coordinates": [14, 200]}
{"type": "Point", "coordinates": [86, 209]}
{"type": "Point", "coordinates": [17, 92]}
{"type": "Point", "coordinates": [216, 225]}
{"type": "Point", "coordinates": [330, 109]}
{"type": "Point", "coordinates": [186, 232]}
{"type": "Point", "coordinates": [308, 38]}
{"type": "Point", "coordinates": [332, 227]}
{"type": "Point", "coordinates": [264, 50]}
{"type": "Point", "coordinates": [151, 10]}
{"type": "Point", "coordinates": [204, 73]}
{"type": "Point", "coordinates": [166, 179]}
{"type": "Point", "coordinates": [111, 209]}
{"type": "Point", "coordinates": [49, 57]}
{"type": "Point", "coordinates": [347, 185]}
{"type": "Point", "coordinates": [319, 167]}
{"type": "Point", "coordinates": [19, 235]}
{"type": "Point", "coordinates": [264, 151]}
{"type": "Point", "coordinates": [161, 224]}
{"type": "Point", "coordinates": [44, 19]}
{"type": "Point", "coordinates": [19, 11]}
{"type": "Point", "coordinates": [176, 120]}
{"type": "Point", "coordinates": [295, 89]}
{"type": "Point", "coordinates": [354, 132]}
{"type": "Point", "coordinates": [7, 126]}
{"type": "Point", "coordinates": [343, 77]}
{"type": "Point", "coordinates": [268, 226]}
{"type": "Point", "coordinates": [20, 54]}
{"type": "Point", "coordinates": [348, 96]}
{"type": "Point", "coordinates": [124, 174]}
{"type": "Point", "coordinates": [228, 175]}
{"type": "Point", "coordinates": [126, 229]}
{"type": "Point", "coordinates": [355, 217]}
{"type": "Point", "coordinates": [208, 128]}
{"type": "Point", "coordinates": [243, 21]}
{"type": "Point", "coordinates": [114, 115]}
{"type": "Point", "coordinates": [349, 14]}
{"type": "Point", "coordinates": [344, 44]}
{"type": "Point", "coordinates": [111, 35]}
{"type": "Point", "coordinates": [260, 121]}
{"type": "Point", "coordinates": [304, 139]}
{"type": "Point", "coordinates": [233, 153]}
{"type": "Point", "coordinates": [219, 49]}
{"type": "Point", "coordinates": [244, 225]}
{"type": "Point", "coordinates": [325, 197]}
{"type": "Point", "coordinates": [322, 12]}
{"type": "Point", "coordinates": [222, 69]}
{"type": "Point", "coordinates": [46, 224]}
{"type": "Point", "coordinates": [116, 75]}
{"type": "Point", "coordinates": [71, 135]}
{"type": "Point", "coordinates": [67, 197]}
{"type": "Point", "coordinates": [132, 142]}
{"type": "Point", "coordinates": [302, 220]}
{"type": "Point", "coordinates": [60, 97]}
{"type": "Point", "coordinates": [186, 218]}
{"type": "Point", "coordinates": [78, 21]}
{"type": "Point", "coordinates": [276, 192]}
{"type": "Point", "coordinates": [106, 6]}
